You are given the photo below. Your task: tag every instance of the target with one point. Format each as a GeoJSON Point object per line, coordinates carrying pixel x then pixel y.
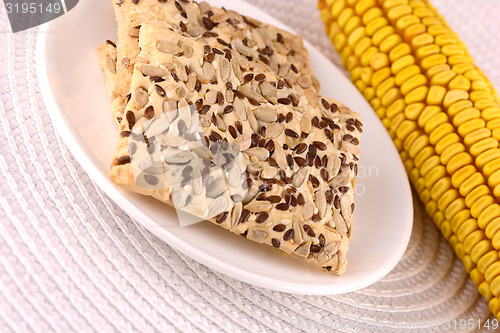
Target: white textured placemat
{"type": "Point", "coordinates": [71, 260]}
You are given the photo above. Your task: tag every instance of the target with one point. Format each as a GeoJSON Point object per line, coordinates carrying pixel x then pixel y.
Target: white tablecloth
{"type": "Point", "coordinates": [70, 259]}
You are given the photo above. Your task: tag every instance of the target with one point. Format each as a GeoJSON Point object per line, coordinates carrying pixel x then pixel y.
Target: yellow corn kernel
{"type": "Point", "coordinates": [445, 39]}
{"type": "Point", "coordinates": [384, 87]}
{"type": "Point", "coordinates": [406, 21]}
{"type": "Point", "coordinates": [480, 205]}
{"type": "Point", "coordinates": [439, 127]}
{"type": "Point", "coordinates": [462, 174]}
{"type": "Point", "coordinates": [494, 305]}
{"type": "Point", "coordinates": [375, 25]}
{"type": "Point", "coordinates": [437, 30]}
{"type": "Point", "coordinates": [446, 229]}
{"type": "Point", "coordinates": [451, 151]}
{"type": "Point", "coordinates": [471, 240]}
{"type": "Point", "coordinates": [339, 41]}
{"type": "Point", "coordinates": [389, 43]}
{"type": "Point", "coordinates": [440, 186]}
{"type": "Point", "coordinates": [423, 12]}
{"type": "Point", "coordinates": [434, 175]}
{"type": "Point", "coordinates": [362, 46]}
{"type": "Point", "coordinates": [458, 161]}
{"type": "Point", "coordinates": [460, 82]}
{"type": "Point", "coordinates": [474, 181]}
{"type": "Point", "coordinates": [458, 59]}
{"type": "Point", "coordinates": [395, 108]}
{"type": "Point", "coordinates": [397, 12]}
{"type": "Point", "coordinates": [475, 194]}
{"type": "Point", "coordinates": [426, 51]}
{"type": "Point", "coordinates": [355, 36]}
{"type": "Point", "coordinates": [451, 50]}
{"type": "Point", "coordinates": [381, 34]}
{"type": "Point", "coordinates": [465, 229]}
{"type": "Point", "coordinates": [446, 141]}
{"type": "Point", "coordinates": [492, 228]}
{"type": "Point", "coordinates": [487, 215]}
{"type": "Point", "coordinates": [368, 55]}
{"type": "Point", "coordinates": [470, 126]}
{"type": "Point", "coordinates": [363, 5]}
{"type": "Point", "coordinates": [344, 16]}
{"type": "Point", "coordinates": [454, 208]}
{"type": "Point", "coordinates": [476, 136]}
{"type": "Point", "coordinates": [405, 128]}
{"type": "Point", "coordinates": [351, 25]}
{"type": "Point", "coordinates": [436, 94]}
{"type": "Point", "coordinates": [495, 286]}
{"type": "Point", "coordinates": [388, 4]}
{"type": "Point", "coordinates": [490, 113]}
{"type": "Point", "coordinates": [483, 145]}
{"type": "Point", "coordinates": [433, 61]}
{"type": "Point", "coordinates": [416, 95]}
{"type": "Point", "coordinates": [413, 111]}
{"type": "Point", "coordinates": [458, 106]}
{"type": "Point", "coordinates": [487, 156]}
{"type": "Point", "coordinates": [476, 276]}
{"type": "Point", "coordinates": [379, 76]}
{"type": "Point", "coordinates": [442, 77]}
{"type": "Point", "coordinates": [485, 291]}
{"type": "Point", "coordinates": [421, 40]}
{"type": "Point", "coordinates": [413, 30]}
{"type": "Point", "coordinates": [337, 8]}
{"type": "Point", "coordinates": [390, 96]}
{"type": "Point", "coordinates": [459, 219]}
{"type": "Point", "coordinates": [487, 260]}
{"type": "Point", "coordinates": [423, 155]}
{"type": "Point", "coordinates": [379, 60]}
{"type": "Point", "coordinates": [409, 141]}
{"type": "Point", "coordinates": [461, 68]}
{"type": "Point", "coordinates": [453, 96]}
{"type": "Point", "coordinates": [413, 83]}
{"type": "Point", "coordinates": [465, 115]}
{"type": "Point", "coordinates": [399, 51]}
{"type": "Point", "coordinates": [402, 63]}
{"type": "Point", "coordinates": [427, 113]}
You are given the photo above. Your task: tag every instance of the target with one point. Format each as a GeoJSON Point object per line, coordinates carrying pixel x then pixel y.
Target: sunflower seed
{"type": "Point", "coordinates": [235, 218]}
{"type": "Point", "coordinates": [320, 201]}
{"type": "Point", "coordinates": [176, 157]}
{"type": "Point", "coordinates": [303, 250]}
{"type": "Point", "coordinates": [242, 48]}
{"type": "Point", "coordinates": [299, 177]}
{"type": "Point", "coordinates": [179, 197]}
{"type": "Point", "coordinates": [305, 81]}
{"type": "Point", "coordinates": [239, 109]}
{"type": "Point", "coordinates": [151, 70]}
{"type": "Point", "coordinates": [157, 127]}
{"type": "Point", "coordinates": [268, 91]}
{"type": "Point", "coordinates": [243, 141]}
{"type": "Point", "coordinates": [273, 130]}
{"type": "Point", "coordinates": [333, 165]}
{"type": "Point", "coordinates": [140, 97]}
{"type": "Point", "coordinates": [191, 82]}
{"type": "Point", "coordinates": [208, 73]}
{"type": "Point", "coordinates": [345, 206]}
{"type": "Point", "coordinates": [187, 49]}
{"type": "Point", "coordinates": [269, 172]}
{"type": "Point", "coordinates": [252, 94]}
{"type": "Point", "coordinates": [257, 235]}
{"type": "Point", "coordinates": [259, 206]}
{"type": "Point", "coordinates": [216, 188]}
{"type": "Point", "coordinates": [328, 251]}
{"type": "Point", "coordinates": [311, 96]}
{"type": "Point", "coordinates": [168, 47]}
{"type": "Point", "coordinates": [265, 114]}
{"type": "Point", "coordinates": [217, 206]}
{"type": "Point", "coordinates": [225, 71]}
{"type": "Point", "coordinates": [111, 64]}
{"type": "Point", "coordinates": [260, 153]}
{"type": "Point", "coordinates": [340, 224]}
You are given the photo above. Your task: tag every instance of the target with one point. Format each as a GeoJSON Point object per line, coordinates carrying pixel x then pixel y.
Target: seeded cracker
{"type": "Point", "coordinates": [297, 151]}
{"type": "Point", "coordinates": [262, 44]}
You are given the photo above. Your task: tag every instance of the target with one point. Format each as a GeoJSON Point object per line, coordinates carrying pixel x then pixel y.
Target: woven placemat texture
{"type": "Point", "coordinates": [70, 259]}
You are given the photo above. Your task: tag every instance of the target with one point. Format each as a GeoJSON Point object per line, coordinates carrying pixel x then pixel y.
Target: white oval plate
{"type": "Point", "coordinates": [74, 91]}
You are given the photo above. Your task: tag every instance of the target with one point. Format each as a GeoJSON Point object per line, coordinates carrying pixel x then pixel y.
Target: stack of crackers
{"type": "Point", "coordinates": [220, 116]}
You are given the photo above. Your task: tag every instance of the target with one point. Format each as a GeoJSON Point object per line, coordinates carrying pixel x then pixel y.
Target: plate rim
{"type": "Point", "coordinates": [59, 124]}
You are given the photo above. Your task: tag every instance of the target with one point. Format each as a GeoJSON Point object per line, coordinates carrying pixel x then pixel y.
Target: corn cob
{"type": "Point", "coordinates": [442, 113]}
